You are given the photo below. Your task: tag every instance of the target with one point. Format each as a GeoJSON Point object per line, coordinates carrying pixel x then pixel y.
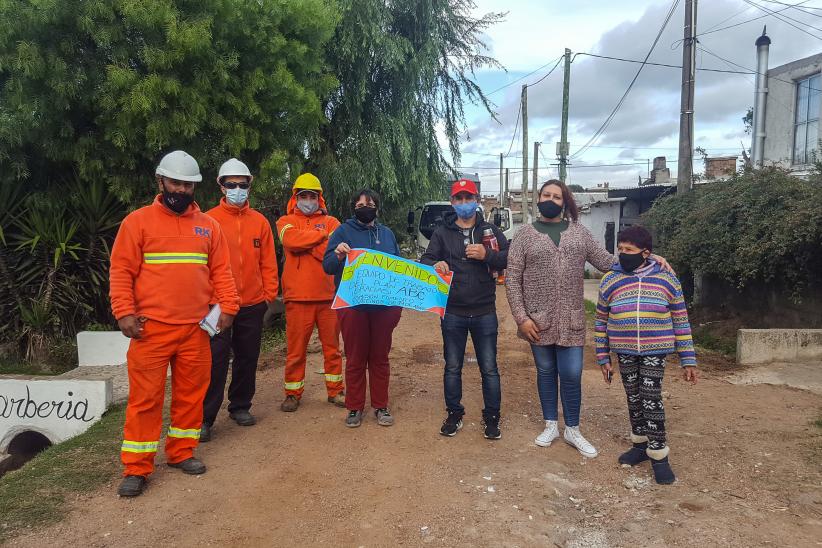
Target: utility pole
{"type": "Point", "coordinates": [564, 147]}
{"type": "Point", "coordinates": [685, 171]}
{"type": "Point", "coordinates": [524, 185]}
{"type": "Point", "coordinates": [501, 194]}
{"type": "Point", "coordinates": [507, 196]}
{"type": "Point", "coordinates": [535, 176]}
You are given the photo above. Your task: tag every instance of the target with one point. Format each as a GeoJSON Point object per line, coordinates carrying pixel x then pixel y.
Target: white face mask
{"type": "Point", "coordinates": [308, 207]}
{"type": "Point", "coordinates": [236, 196]}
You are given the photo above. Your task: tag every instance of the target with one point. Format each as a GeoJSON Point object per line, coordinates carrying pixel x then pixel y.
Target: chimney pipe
{"type": "Point", "coordinates": [760, 98]}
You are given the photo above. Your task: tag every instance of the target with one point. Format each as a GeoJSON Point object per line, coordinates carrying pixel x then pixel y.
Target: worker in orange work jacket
{"type": "Point", "coordinates": [308, 291]}
{"type": "Point", "coordinates": [167, 261]}
{"type": "Point", "coordinates": [254, 265]}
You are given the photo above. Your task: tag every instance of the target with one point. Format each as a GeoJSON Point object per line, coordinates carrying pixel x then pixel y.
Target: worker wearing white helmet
{"type": "Point", "coordinates": [254, 265]}
{"type": "Point", "coordinates": [168, 263]}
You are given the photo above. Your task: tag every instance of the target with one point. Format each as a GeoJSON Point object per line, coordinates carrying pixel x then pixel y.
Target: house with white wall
{"type": "Point", "coordinates": [600, 214]}
{"type": "Point", "coordinates": [786, 112]}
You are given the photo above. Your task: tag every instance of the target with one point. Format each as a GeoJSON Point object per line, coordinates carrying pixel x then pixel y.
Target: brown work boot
{"type": "Point", "coordinates": [338, 400]}
{"type": "Point", "coordinates": [290, 404]}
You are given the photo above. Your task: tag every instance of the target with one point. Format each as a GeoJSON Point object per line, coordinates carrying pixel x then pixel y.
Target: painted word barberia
{"type": "Point", "coordinates": [29, 408]}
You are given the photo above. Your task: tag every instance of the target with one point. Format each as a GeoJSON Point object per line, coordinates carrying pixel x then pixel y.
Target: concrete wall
{"type": "Point", "coordinates": [58, 409]}
{"type": "Point", "coordinates": [756, 346]}
{"type": "Point", "coordinates": [102, 348]}
{"type": "Point", "coordinates": [780, 110]}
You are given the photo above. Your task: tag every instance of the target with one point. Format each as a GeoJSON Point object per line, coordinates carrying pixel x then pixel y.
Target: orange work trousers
{"type": "Point", "coordinates": [186, 348]}
{"type": "Point", "coordinates": [300, 319]}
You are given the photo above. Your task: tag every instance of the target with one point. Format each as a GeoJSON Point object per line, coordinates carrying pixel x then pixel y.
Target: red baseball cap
{"type": "Point", "coordinates": [464, 185]}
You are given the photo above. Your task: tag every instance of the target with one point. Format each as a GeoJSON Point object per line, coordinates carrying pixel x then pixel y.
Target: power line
{"type": "Point", "coordinates": [769, 76]}
{"type": "Point", "coordinates": [527, 75]}
{"type": "Point", "coordinates": [610, 118]}
{"type": "Point", "coordinates": [547, 74]}
{"type": "Point", "coordinates": [797, 8]}
{"type": "Point", "coordinates": [724, 21]}
{"type": "Point", "coordinates": [785, 19]}
{"type": "Point", "coordinates": [705, 33]}
{"type": "Point", "coordinates": [657, 64]}
{"type": "Point", "coordinates": [516, 126]}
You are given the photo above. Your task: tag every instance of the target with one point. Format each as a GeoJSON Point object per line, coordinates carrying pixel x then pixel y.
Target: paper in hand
{"type": "Point", "coordinates": [209, 323]}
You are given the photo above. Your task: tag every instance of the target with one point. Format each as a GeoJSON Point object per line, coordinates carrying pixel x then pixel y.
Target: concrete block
{"type": "Point", "coordinates": [102, 347]}
{"type": "Point", "coordinates": [57, 409]}
{"type": "Point", "coordinates": [756, 346]}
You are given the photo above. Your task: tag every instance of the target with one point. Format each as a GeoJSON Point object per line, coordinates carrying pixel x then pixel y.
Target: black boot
{"type": "Point", "coordinates": [635, 454]}
{"type": "Point", "coordinates": [191, 465]}
{"type": "Point", "coordinates": [132, 486]}
{"type": "Point", "coordinates": [205, 433]}
{"type": "Point", "coordinates": [662, 471]}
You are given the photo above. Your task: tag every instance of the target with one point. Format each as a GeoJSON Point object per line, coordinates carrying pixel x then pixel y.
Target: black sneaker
{"type": "Point", "coordinates": [452, 424]}
{"type": "Point", "coordinates": [491, 423]}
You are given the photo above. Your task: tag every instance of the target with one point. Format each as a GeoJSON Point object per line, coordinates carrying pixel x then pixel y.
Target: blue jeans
{"type": "Point", "coordinates": [567, 362]}
{"type": "Point", "coordinates": [483, 331]}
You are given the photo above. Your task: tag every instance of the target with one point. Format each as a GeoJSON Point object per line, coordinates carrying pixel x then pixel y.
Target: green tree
{"type": "Point", "coordinates": [93, 92]}
{"type": "Point", "coordinates": [102, 88]}
{"type": "Point", "coordinates": [405, 70]}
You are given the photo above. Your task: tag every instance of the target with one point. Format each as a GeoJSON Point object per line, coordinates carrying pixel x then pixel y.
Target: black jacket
{"type": "Point", "coordinates": [473, 289]}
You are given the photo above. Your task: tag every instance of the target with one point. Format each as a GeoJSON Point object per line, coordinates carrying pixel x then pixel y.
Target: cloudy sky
{"type": "Point", "coordinates": [535, 33]}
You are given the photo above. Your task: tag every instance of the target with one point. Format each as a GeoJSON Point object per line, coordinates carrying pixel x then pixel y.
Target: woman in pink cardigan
{"type": "Point", "coordinates": [545, 286]}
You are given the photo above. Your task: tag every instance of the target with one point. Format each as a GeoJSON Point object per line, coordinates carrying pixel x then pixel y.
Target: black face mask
{"type": "Point", "coordinates": [365, 214]}
{"type": "Point", "coordinates": [549, 209]}
{"type": "Point", "coordinates": [177, 201]}
{"type": "Point", "coordinates": [631, 261]}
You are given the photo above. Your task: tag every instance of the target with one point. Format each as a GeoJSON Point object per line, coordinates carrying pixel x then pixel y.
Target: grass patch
{"type": "Point", "coordinates": [273, 337]}
{"type": "Point", "coordinates": [62, 357]}
{"type": "Point", "coordinates": [37, 493]}
{"type": "Point", "coordinates": [590, 310]}
{"type": "Point", "coordinates": [709, 339]}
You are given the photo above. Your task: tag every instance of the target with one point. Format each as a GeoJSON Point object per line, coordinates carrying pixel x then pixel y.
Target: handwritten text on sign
{"type": "Point", "coordinates": [372, 277]}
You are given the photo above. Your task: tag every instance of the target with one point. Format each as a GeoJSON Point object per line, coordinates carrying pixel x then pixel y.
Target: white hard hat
{"type": "Point", "coordinates": [180, 166]}
{"type": "Point", "coordinates": [234, 167]}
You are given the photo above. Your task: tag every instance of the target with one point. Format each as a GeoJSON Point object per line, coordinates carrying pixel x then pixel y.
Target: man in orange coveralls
{"type": "Point", "coordinates": [167, 261]}
{"type": "Point", "coordinates": [254, 265]}
{"type": "Point", "coordinates": [308, 290]}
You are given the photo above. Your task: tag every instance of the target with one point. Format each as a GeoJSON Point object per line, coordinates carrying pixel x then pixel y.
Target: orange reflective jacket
{"type": "Point", "coordinates": [304, 239]}
{"type": "Point", "coordinates": [164, 266]}
{"type": "Point", "coordinates": [253, 259]}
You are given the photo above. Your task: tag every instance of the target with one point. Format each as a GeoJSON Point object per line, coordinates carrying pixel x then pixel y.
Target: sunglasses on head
{"type": "Point", "coordinates": [232, 186]}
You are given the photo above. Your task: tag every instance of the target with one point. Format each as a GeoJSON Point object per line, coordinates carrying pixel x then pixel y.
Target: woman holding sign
{"type": "Point", "coordinates": [366, 329]}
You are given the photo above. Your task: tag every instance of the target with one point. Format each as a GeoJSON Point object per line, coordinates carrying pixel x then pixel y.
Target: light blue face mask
{"type": "Point", "coordinates": [236, 196]}
{"type": "Point", "coordinates": [466, 210]}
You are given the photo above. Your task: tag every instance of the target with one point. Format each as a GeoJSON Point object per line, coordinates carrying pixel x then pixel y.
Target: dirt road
{"type": "Point", "coordinates": [747, 457]}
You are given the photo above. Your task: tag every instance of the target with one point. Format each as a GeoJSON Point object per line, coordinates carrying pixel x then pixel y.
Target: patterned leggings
{"type": "Point", "coordinates": [642, 378]}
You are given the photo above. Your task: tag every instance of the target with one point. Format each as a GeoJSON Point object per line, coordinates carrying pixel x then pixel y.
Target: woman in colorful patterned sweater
{"type": "Point", "coordinates": [641, 316]}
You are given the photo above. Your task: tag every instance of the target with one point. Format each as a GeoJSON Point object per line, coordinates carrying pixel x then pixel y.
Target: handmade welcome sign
{"type": "Point", "coordinates": [372, 277]}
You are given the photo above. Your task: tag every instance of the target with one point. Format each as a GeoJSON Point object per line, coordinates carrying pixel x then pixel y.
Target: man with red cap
{"type": "Point", "coordinates": [457, 246]}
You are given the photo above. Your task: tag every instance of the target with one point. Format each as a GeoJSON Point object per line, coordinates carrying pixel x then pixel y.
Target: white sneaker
{"type": "Point", "coordinates": [574, 437]}
{"type": "Point", "coordinates": [548, 435]}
